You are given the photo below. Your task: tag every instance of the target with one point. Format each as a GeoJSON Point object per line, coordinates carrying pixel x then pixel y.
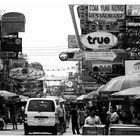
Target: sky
{"type": "Point", "coordinates": [48, 24]}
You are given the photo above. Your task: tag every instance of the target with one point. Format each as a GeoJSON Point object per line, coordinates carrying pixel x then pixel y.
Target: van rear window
{"type": "Point", "coordinates": [41, 106]}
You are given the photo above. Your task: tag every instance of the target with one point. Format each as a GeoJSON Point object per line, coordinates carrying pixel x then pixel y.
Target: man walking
{"type": "Point", "coordinates": [74, 119]}
{"type": "Point", "coordinates": [61, 117]}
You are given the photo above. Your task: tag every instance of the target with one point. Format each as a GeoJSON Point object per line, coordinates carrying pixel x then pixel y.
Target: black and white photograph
{"type": "Point", "coordinates": [69, 68]}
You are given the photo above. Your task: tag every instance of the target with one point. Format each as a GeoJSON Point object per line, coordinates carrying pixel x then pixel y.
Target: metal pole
{"type": "Point", "coordinates": [75, 27]}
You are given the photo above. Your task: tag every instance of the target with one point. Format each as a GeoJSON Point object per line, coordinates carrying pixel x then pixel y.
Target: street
{"type": "Point", "coordinates": [20, 131]}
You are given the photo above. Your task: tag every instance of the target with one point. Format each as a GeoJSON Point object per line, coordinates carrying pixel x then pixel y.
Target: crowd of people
{"type": "Point", "coordinates": [85, 115]}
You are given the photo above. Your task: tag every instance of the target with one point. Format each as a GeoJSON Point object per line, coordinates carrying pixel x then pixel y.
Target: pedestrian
{"type": "Point", "coordinates": [103, 115]}
{"type": "Point", "coordinates": [67, 116]}
{"type": "Point", "coordinates": [13, 115]}
{"type": "Point", "coordinates": [61, 117]}
{"type": "Point", "coordinates": [92, 119]}
{"type": "Point", "coordinates": [74, 119]}
{"type": "Point", "coordinates": [114, 117]}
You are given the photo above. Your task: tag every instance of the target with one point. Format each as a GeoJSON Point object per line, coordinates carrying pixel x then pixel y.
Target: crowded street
{"type": "Point", "coordinates": [69, 68]}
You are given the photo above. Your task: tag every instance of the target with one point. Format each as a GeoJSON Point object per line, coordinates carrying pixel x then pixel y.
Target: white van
{"type": "Point", "coordinates": [40, 115]}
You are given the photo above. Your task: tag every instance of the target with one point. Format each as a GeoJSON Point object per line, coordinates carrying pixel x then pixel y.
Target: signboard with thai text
{"type": "Point", "coordinates": [106, 12]}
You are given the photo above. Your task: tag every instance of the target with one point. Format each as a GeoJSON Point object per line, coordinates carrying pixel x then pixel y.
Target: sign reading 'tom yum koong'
{"type": "Point", "coordinates": [106, 12]}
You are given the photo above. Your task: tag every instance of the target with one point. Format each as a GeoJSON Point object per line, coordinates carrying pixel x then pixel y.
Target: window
{"type": "Point", "coordinates": [41, 106]}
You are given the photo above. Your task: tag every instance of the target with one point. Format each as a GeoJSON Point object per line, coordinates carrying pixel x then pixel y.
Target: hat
{"type": "Point", "coordinates": [61, 100]}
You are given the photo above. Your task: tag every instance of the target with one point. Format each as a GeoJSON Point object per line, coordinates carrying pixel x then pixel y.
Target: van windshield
{"type": "Point", "coordinates": [41, 106]}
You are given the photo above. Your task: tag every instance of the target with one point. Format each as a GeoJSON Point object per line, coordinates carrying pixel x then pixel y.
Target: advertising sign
{"type": "Point", "coordinates": [102, 68]}
{"type": "Point", "coordinates": [72, 42]}
{"type": "Point", "coordinates": [99, 40]}
{"type": "Point", "coordinates": [23, 70]}
{"type": "Point", "coordinates": [132, 67]}
{"type": "Point", "coordinates": [31, 85]}
{"type": "Point", "coordinates": [106, 12]}
{"type": "Point", "coordinates": [133, 10]}
{"type": "Point", "coordinates": [26, 73]}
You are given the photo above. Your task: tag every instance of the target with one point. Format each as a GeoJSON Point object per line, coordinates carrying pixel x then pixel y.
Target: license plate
{"type": "Point", "coordinates": [40, 120]}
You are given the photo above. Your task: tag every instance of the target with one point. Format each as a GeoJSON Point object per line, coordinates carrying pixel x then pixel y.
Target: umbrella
{"type": "Point", "coordinates": [121, 83]}
{"type": "Point", "coordinates": [135, 91]}
{"type": "Point", "coordinates": [81, 97]}
{"type": "Point", "coordinates": [7, 94]}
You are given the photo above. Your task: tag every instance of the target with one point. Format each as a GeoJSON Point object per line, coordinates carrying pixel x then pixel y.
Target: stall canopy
{"type": "Point", "coordinates": [135, 91]}
{"type": "Point", "coordinates": [91, 95]}
{"type": "Point", "coordinates": [82, 97]}
{"type": "Point", "coordinates": [23, 98]}
{"type": "Point", "coordinates": [8, 95]}
{"type": "Point", "coordinates": [121, 83]}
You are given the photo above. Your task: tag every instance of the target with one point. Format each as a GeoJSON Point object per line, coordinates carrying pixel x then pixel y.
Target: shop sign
{"type": "Point", "coordinates": [27, 73]}
{"type": "Point", "coordinates": [100, 78]}
{"type": "Point", "coordinates": [99, 40]}
{"type": "Point", "coordinates": [72, 42]}
{"type": "Point", "coordinates": [17, 63]}
{"type": "Point", "coordinates": [106, 12]}
{"type": "Point", "coordinates": [132, 67]}
{"type": "Point", "coordinates": [133, 10]}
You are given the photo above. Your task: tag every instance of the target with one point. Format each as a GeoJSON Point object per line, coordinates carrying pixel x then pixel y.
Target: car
{"type": "Point", "coordinates": [40, 115]}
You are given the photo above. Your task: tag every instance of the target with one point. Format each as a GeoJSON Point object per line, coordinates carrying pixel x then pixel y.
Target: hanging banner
{"type": "Point", "coordinates": [106, 12]}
